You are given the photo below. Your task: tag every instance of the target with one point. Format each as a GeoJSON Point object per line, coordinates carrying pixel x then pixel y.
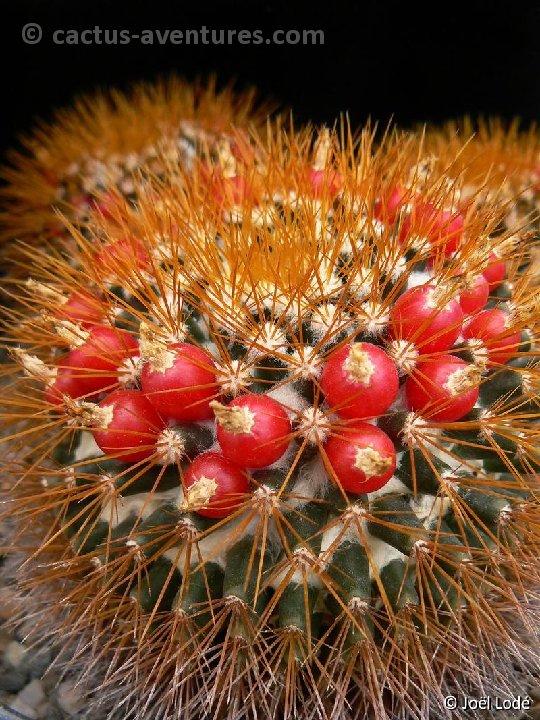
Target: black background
{"type": "Point", "coordinates": [414, 63]}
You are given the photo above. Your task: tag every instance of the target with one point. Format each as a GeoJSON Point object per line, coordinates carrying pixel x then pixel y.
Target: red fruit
{"type": "Point", "coordinates": [363, 457]}
{"type": "Point", "coordinates": [418, 316]}
{"type": "Point", "coordinates": [495, 272]}
{"type": "Point", "coordinates": [325, 182]}
{"type": "Point", "coordinates": [215, 485]}
{"type": "Point", "coordinates": [82, 308]}
{"type": "Point", "coordinates": [81, 202]}
{"type": "Point", "coordinates": [126, 252]}
{"type": "Point", "coordinates": [388, 208]}
{"type": "Point", "coordinates": [227, 189]}
{"type": "Point", "coordinates": [181, 389]}
{"type": "Point", "coordinates": [474, 299]}
{"type": "Point", "coordinates": [230, 190]}
{"type": "Point", "coordinates": [131, 430]}
{"type": "Point", "coordinates": [66, 382]}
{"type": "Point", "coordinates": [252, 430]}
{"type": "Point", "coordinates": [106, 205]}
{"type": "Point", "coordinates": [443, 390]}
{"type": "Point", "coordinates": [100, 355]}
{"type": "Point", "coordinates": [359, 381]}
{"type": "Point", "coordinates": [491, 328]}
{"type": "Point", "coordinates": [442, 228]}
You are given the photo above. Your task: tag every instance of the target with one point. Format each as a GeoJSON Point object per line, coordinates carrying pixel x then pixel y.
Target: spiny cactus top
{"type": "Point", "coordinates": [500, 159]}
{"type": "Point", "coordinates": [280, 436]}
{"type": "Point", "coordinates": [103, 141]}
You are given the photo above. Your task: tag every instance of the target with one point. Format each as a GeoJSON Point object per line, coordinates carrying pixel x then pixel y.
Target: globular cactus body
{"type": "Point", "coordinates": [309, 485]}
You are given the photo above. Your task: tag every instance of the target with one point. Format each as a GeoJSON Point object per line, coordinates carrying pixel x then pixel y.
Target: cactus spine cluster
{"type": "Point", "coordinates": [278, 450]}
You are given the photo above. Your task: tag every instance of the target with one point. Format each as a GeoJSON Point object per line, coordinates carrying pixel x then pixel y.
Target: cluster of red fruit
{"type": "Point", "coordinates": [359, 381]}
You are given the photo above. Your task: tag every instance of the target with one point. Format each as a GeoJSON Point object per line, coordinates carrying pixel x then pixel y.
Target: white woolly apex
{"type": "Point", "coordinates": [528, 382]}
{"type": "Point", "coordinates": [304, 362]}
{"type": "Point", "coordinates": [129, 372]}
{"type": "Point", "coordinates": [307, 569]}
{"type": "Point", "coordinates": [273, 298]}
{"type": "Point", "coordinates": [421, 547]}
{"type": "Point", "coordinates": [34, 367]}
{"type": "Point", "coordinates": [168, 310]}
{"type": "Point", "coordinates": [313, 425]}
{"type": "Point", "coordinates": [428, 508]}
{"type": "Point", "coordinates": [404, 354]}
{"type": "Point", "coordinates": [346, 529]}
{"type": "Point", "coordinates": [393, 486]}
{"type": "Point", "coordinates": [212, 547]}
{"type": "Point", "coordinates": [360, 282]}
{"type": "Point", "coordinates": [324, 281]}
{"type": "Point", "coordinates": [87, 447]}
{"type": "Point", "coordinates": [350, 243]}
{"type": "Point", "coordinates": [331, 539]}
{"type": "Point", "coordinates": [358, 606]}
{"type": "Point", "coordinates": [381, 554]}
{"type": "Point", "coordinates": [291, 400]}
{"type": "Point", "coordinates": [170, 447]}
{"type": "Point", "coordinates": [328, 318]}
{"type": "Point", "coordinates": [69, 477]}
{"type": "Point", "coordinates": [373, 316]}
{"type": "Point", "coordinates": [265, 499]}
{"type": "Point", "coordinates": [413, 423]}
{"type": "Point", "coordinates": [417, 278]}
{"type": "Point", "coordinates": [312, 482]}
{"type": "Point", "coordinates": [393, 264]}
{"type": "Point", "coordinates": [505, 513]}
{"type": "Point", "coordinates": [270, 338]}
{"type": "Point", "coordinates": [234, 377]}
{"type": "Point", "coordinates": [107, 484]}
{"type": "Point", "coordinates": [117, 508]}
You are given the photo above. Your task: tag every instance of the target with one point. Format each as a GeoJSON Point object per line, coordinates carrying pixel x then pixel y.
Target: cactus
{"type": "Point", "coordinates": [284, 462]}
